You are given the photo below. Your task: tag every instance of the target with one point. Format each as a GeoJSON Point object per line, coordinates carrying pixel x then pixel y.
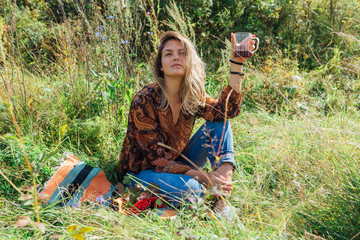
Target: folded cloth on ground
{"type": "Point", "coordinates": [75, 182]}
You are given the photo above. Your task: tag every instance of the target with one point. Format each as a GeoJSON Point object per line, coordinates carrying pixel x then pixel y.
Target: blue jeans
{"type": "Point", "coordinates": [201, 148]}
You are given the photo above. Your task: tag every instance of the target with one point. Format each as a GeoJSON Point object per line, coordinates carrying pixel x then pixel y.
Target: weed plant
{"type": "Point", "coordinates": [71, 75]}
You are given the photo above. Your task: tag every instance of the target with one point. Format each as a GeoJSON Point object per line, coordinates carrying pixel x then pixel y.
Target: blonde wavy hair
{"type": "Point", "coordinates": [192, 93]}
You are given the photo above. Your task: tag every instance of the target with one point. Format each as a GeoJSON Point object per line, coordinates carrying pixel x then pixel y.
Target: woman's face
{"type": "Point", "coordinates": [173, 59]}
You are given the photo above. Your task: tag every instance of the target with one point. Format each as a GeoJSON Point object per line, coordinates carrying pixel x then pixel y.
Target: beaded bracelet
{"type": "Point", "coordinates": [238, 73]}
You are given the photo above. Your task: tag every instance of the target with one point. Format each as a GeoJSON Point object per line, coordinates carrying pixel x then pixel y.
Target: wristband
{"type": "Point", "coordinates": [237, 73]}
{"type": "Point", "coordinates": [238, 63]}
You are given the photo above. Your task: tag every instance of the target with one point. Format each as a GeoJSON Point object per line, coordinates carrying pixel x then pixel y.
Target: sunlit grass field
{"type": "Point", "coordinates": [66, 88]}
{"type": "Point", "coordinates": [296, 178]}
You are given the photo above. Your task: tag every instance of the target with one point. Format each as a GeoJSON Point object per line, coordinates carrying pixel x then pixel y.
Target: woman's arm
{"type": "Point", "coordinates": [235, 66]}
{"type": "Point", "coordinates": [228, 104]}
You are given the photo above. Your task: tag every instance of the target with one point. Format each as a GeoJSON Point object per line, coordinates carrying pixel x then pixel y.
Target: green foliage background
{"type": "Point", "coordinates": [71, 67]}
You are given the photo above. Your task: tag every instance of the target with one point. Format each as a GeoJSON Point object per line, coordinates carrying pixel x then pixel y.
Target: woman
{"type": "Point", "coordinates": [157, 148]}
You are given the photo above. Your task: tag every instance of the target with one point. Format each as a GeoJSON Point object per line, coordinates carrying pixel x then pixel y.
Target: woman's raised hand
{"type": "Point", "coordinates": [247, 43]}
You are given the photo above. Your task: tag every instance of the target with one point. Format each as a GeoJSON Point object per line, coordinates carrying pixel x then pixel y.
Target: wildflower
{"type": "Point", "coordinates": [111, 17]}
{"type": "Point", "coordinates": [103, 38]}
{"type": "Point", "coordinates": [100, 199]}
{"type": "Point", "coordinates": [125, 41]}
{"type": "Point", "coordinates": [101, 28]}
{"type": "Point", "coordinates": [149, 33]}
{"type": "Point", "coordinates": [75, 205]}
{"type": "Point", "coordinates": [148, 13]}
{"type": "Point", "coordinates": [97, 33]}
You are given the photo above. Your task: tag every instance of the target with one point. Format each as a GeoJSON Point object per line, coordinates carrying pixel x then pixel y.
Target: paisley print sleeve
{"type": "Point", "coordinates": [227, 105]}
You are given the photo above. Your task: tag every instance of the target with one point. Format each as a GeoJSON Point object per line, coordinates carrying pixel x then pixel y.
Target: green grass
{"type": "Point", "coordinates": [298, 174]}
{"type": "Point", "coordinates": [295, 177]}
{"type": "Point", "coordinates": [302, 167]}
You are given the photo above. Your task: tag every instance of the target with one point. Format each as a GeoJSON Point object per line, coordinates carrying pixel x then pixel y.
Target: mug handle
{"type": "Point", "coordinates": [256, 45]}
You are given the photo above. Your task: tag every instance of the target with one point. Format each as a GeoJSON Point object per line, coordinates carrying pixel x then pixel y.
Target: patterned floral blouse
{"type": "Point", "coordinates": [148, 125]}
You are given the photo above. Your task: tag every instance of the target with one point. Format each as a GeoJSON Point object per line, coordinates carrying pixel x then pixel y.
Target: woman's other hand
{"type": "Point", "coordinates": [210, 179]}
{"type": "Point", "coordinates": [217, 180]}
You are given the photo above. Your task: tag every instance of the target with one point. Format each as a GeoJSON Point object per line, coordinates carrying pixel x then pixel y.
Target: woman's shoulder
{"type": "Point", "coordinates": [148, 92]}
{"type": "Point", "coordinates": [149, 89]}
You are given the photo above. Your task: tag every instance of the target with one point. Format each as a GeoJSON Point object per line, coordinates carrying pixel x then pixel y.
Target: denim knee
{"type": "Point", "coordinates": [216, 125]}
{"type": "Point", "coordinates": [224, 137]}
